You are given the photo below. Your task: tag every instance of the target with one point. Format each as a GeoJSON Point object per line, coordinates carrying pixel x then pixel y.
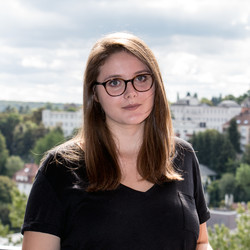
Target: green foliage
{"type": "Point", "coordinates": [25, 136]}
{"type": "Point", "coordinates": [6, 186]}
{"type": "Point", "coordinates": [53, 138]}
{"type": "Point", "coordinates": [4, 213]}
{"type": "Point", "coordinates": [243, 179]}
{"type": "Point", "coordinates": [214, 193]}
{"type": "Point", "coordinates": [206, 101]}
{"type": "Point", "coordinates": [213, 149]}
{"type": "Point", "coordinates": [13, 164]}
{"type": "Point", "coordinates": [4, 229]}
{"type": "Point", "coordinates": [37, 116]}
{"type": "Point", "coordinates": [221, 238]}
{"type": "Point", "coordinates": [227, 184]}
{"type": "Point", "coordinates": [246, 155]}
{"type": "Point", "coordinates": [3, 154]}
{"type": "Point", "coordinates": [234, 135]}
{"type": "Point", "coordinates": [17, 209]}
{"type": "Point", "coordinates": [8, 122]}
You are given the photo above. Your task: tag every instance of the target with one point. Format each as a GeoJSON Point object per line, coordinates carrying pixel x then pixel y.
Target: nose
{"type": "Point", "coordinates": [130, 91]}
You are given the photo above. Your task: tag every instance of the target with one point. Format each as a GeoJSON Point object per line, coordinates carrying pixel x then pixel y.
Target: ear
{"type": "Point", "coordinates": [95, 94]}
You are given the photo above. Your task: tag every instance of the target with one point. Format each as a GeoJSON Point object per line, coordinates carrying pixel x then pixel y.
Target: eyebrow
{"type": "Point", "coordinates": [135, 74]}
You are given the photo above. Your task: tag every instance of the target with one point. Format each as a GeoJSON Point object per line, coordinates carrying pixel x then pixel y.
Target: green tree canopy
{"type": "Point", "coordinates": [213, 149]}
{"type": "Point", "coordinates": [8, 122]}
{"type": "Point", "coordinates": [243, 179]}
{"type": "Point", "coordinates": [3, 154]}
{"type": "Point", "coordinates": [234, 135]}
{"type": "Point", "coordinates": [221, 237]}
{"type": "Point", "coordinates": [53, 138]}
{"type": "Point", "coordinates": [246, 155]}
{"type": "Point", "coordinates": [13, 164]}
{"type": "Point", "coordinates": [227, 184]}
{"type": "Point", "coordinates": [6, 186]}
{"type": "Point", "coordinates": [25, 136]}
{"type": "Point", "coordinates": [17, 209]}
{"type": "Point", "coordinates": [206, 101]}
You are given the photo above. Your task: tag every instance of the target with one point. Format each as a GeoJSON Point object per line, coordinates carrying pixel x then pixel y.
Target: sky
{"type": "Point", "coordinates": [202, 46]}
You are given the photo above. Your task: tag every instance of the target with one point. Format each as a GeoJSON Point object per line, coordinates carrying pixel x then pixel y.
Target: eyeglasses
{"type": "Point", "coordinates": [117, 86]}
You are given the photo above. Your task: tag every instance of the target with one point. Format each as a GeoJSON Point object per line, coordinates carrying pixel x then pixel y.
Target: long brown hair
{"type": "Point", "coordinates": [154, 161]}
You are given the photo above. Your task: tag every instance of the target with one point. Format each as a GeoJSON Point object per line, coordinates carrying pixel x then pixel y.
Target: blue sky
{"type": "Point", "coordinates": [202, 46]}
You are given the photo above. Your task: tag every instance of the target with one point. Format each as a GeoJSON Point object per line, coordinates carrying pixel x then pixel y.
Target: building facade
{"type": "Point", "coordinates": [24, 178]}
{"type": "Point", "coordinates": [67, 120]}
{"type": "Point", "coordinates": [190, 116]}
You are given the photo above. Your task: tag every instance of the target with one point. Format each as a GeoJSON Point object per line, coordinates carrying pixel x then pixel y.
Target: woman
{"type": "Point", "coordinates": [124, 182]}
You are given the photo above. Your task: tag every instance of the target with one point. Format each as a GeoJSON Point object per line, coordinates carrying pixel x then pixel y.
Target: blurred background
{"type": "Point", "coordinates": [203, 50]}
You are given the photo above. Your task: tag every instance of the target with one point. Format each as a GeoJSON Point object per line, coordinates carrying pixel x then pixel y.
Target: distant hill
{"type": "Point", "coordinates": [31, 105]}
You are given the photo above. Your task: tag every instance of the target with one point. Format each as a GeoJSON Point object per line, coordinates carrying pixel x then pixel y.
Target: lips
{"type": "Point", "coordinates": [132, 107]}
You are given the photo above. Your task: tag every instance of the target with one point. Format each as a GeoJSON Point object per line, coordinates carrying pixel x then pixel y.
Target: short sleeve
{"type": "Point", "coordinates": [44, 210]}
{"type": "Point", "coordinates": [200, 201]}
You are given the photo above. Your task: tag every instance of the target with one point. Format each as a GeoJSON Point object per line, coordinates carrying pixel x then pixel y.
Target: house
{"type": "Point", "coordinates": [207, 176]}
{"type": "Point", "coordinates": [243, 123]}
{"type": "Point", "coordinates": [24, 178]}
{"type": "Point", "coordinates": [190, 116]}
{"type": "Point", "coordinates": [67, 120]}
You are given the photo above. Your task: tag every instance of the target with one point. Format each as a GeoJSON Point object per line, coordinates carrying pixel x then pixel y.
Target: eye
{"type": "Point", "coordinates": [141, 78]}
{"type": "Point", "coordinates": [114, 83]}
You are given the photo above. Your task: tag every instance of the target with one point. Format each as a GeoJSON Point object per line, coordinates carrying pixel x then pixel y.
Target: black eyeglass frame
{"type": "Point", "coordinates": [126, 83]}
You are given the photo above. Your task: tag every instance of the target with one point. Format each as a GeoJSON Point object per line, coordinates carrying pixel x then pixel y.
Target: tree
{"type": "Point", "coordinates": [13, 164]}
{"type": "Point", "coordinates": [214, 193]}
{"type": "Point", "coordinates": [227, 184]}
{"type": "Point", "coordinates": [216, 100]}
{"type": "Point", "coordinates": [37, 116]}
{"type": "Point", "coordinates": [8, 122]}
{"type": "Point", "coordinates": [6, 187]}
{"type": "Point", "coordinates": [4, 229]}
{"type": "Point", "coordinates": [3, 154]}
{"type": "Point", "coordinates": [221, 237]}
{"type": "Point", "coordinates": [206, 101]}
{"type": "Point", "coordinates": [17, 209]}
{"type": "Point", "coordinates": [25, 136]}
{"type": "Point", "coordinates": [53, 138]}
{"type": "Point", "coordinates": [243, 179]}
{"type": "Point", "coordinates": [213, 149]}
{"type": "Point", "coordinates": [234, 135]}
{"type": "Point", "coordinates": [246, 155]}
{"type": "Point", "coordinates": [230, 97]}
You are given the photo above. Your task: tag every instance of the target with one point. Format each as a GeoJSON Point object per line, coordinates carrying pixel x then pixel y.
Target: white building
{"type": "Point", "coordinates": [67, 120]}
{"type": "Point", "coordinates": [24, 178]}
{"type": "Point", "coordinates": [190, 116]}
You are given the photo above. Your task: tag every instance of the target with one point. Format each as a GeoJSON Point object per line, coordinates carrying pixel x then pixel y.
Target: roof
{"type": "Point", "coordinates": [27, 174]}
{"type": "Point", "coordinates": [205, 171]}
{"type": "Point", "coordinates": [229, 103]}
{"type": "Point", "coordinates": [243, 119]}
{"type": "Point", "coordinates": [246, 103]}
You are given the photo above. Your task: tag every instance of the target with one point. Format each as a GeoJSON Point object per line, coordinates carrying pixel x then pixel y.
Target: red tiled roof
{"type": "Point", "coordinates": [27, 174]}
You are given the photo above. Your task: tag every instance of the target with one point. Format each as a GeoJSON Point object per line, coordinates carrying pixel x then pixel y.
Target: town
{"type": "Point", "coordinates": [218, 129]}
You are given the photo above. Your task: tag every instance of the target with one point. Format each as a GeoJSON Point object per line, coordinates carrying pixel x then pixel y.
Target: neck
{"type": "Point", "coordinates": [128, 139]}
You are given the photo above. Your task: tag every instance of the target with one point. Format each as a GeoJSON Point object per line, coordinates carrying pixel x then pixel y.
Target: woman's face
{"type": "Point", "coordinates": [132, 107]}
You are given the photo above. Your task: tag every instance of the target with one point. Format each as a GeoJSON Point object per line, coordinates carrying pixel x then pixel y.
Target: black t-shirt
{"type": "Point", "coordinates": [166, 216]}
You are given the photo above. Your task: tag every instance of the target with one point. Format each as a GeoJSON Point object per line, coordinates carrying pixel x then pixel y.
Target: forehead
{"type": "Point", "coordinates": [121, 64]}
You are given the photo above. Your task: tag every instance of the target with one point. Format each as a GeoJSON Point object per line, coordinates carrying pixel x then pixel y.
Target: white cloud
{"type": "Point", "coordinates": [202, 45]}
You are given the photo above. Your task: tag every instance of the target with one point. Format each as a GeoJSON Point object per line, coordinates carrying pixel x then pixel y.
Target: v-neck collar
{"type": "Point", "coordinates": [130, 189]}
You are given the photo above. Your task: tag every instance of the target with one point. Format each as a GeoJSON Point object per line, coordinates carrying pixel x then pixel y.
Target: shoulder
{"type": "Point", "coordinates": [185, 157]}
{"type": "Point", "coordinates": [64, 165]}
{"type": "Point", "coordinates": [183, 146]}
